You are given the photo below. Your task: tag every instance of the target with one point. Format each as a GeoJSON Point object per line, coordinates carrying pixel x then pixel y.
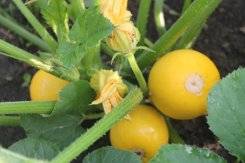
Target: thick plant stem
{"type": "Point", "coordinates": [22, 55]}
{"type": "Point", "coordinates": [137, 72]}
{"type": "Point", "coordinates": [43, 33]}
{"type": "Point", "coordinates": [189, 38]}
{"type": "Point", "coordinates": [9, 120]}
{"type": "Point", "coordinates": [186, 4]}
{"type": "Point", "coordinates": [16, 28]}
{"type": "Point", "coordinates": [35, 61]}
{"type": "Point", "coordinates": [27, 107]}
{"type": "Point", "coordinates": [142, 18]}
{"type": "Point", "coordinates": [198, 11]}
{"type": "Point", "coordinates": [148, 42]}
{"type": "Point", "coordinates": [100, 128]}
{"type": "Point", "coordinates": [200, 8]}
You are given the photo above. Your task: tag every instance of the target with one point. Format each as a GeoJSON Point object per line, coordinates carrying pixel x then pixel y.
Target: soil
{"type": "Point", "coordinates": [222, 39]}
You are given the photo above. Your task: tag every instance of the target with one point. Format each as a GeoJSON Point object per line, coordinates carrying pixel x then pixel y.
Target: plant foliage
{"type": "Point", "coordinates": [183, 153]}
{"type": "Point", "coordinates": [111, 155]}
{"type": "Point", "coordinates": [71, 48]}
{"type": "Point", "coordinates": [75, 98]}
{"type": "Point", "coordinates": [60, 130]}
{"type": "Point", "coordinates": [226, 112]}
{"type": "Point", "coordinates": [35, 148]}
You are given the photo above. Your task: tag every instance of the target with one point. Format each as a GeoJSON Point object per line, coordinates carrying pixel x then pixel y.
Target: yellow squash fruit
{"type": "Point", "coordinates": [180, 81]}
{"type": "Point", "coordinates": [143, 131]}
{"type": "Point", "coordinates": [45, 86]}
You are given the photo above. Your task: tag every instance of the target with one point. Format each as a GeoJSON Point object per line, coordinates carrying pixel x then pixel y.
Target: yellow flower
{"type": "Point", "coordinates": [124, 38]}
{"type": "Point", "coordinates": [115, 10]}
{"type": "Point", "coordinates": [109, 87]}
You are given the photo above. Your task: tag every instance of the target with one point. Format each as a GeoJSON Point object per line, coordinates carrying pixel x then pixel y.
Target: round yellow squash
{"type": "Point", "coordinates": [46, 87]}
{"type": "Point", "coordinates": [143, 131]}
{"type": "Point", "coordinates": [180, 81]}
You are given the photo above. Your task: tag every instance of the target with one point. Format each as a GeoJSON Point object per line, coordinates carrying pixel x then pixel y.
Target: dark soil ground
{"type": "Point", "coordinates": [223, 40]}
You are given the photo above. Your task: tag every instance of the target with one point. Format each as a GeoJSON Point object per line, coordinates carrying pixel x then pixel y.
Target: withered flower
{"type": "Point", "coordinates": [109, 87]}
{"type": "Point", "coordinates": [115, 10]}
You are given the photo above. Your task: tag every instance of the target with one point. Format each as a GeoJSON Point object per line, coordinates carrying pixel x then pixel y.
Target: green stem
{"type": "Point", "coordinates": [174, 136]}
{"type": "Point", "coordinates": [100, 128]}
{"type": "Point", "coordinates": [137, 72]}
{"type": "Point", "coordinates": [43, 33]}
{"type": "Point", "coordinates": [4, 13]}
{"type": "Point", "coordinates": [189, 38]}
{"type": "Point", "coordinates": [13, 26]}
{"type": "Point", "coordinates": [35, 61]}
{"type": "Point", "coordinates": [142, 18]}
{"type": "Point", "coordinates": [27, 107]}
{"type": "Point", "coordinates": [171, 11]}
{"type": "Point", "coordinates": [159, 16]}
{"type": "Point", "coordinates": [198, 11]}
{"type": "Point", "coordinates": [186, 4]}
{"type": "Point", "coordinates": [22, 55]}
{"type": "Point", "coordinates": [9, 120]}
{"type": "Point", "coordinates": [148, 42]}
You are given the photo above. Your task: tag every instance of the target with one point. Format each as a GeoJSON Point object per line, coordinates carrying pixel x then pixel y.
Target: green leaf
{"type": "Point", "coordinates": [87, 32]}
{"type": "Point", "coordinates": [35, 148]}
{"type": "Point", "coordinates": [70, 53]}
{"type": "Point", "coordinates": [226, 112]}
{"type": "Point", "coordinates": [183, 153]}
{"type": "Point", "coordinates": [111, 155]}
{"type": "Point", "coordinates": [75, 8]}
{"type": "Point", "coordinates": [61, 130]}
{"type": "Point", "coordinates": [90, 28]}
{"type": "Point", "coordinates": [76, 97]}
{"type": "Point", "coordinates": [91, 62]}
{"type": "Point", "coordinates": [56, 15]}
{"type": "Point", "coordinates": [9, 156]}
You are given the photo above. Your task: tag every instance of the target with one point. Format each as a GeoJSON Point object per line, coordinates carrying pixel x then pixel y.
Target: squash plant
{"type": "Point", "coordinates": [71, 48]}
